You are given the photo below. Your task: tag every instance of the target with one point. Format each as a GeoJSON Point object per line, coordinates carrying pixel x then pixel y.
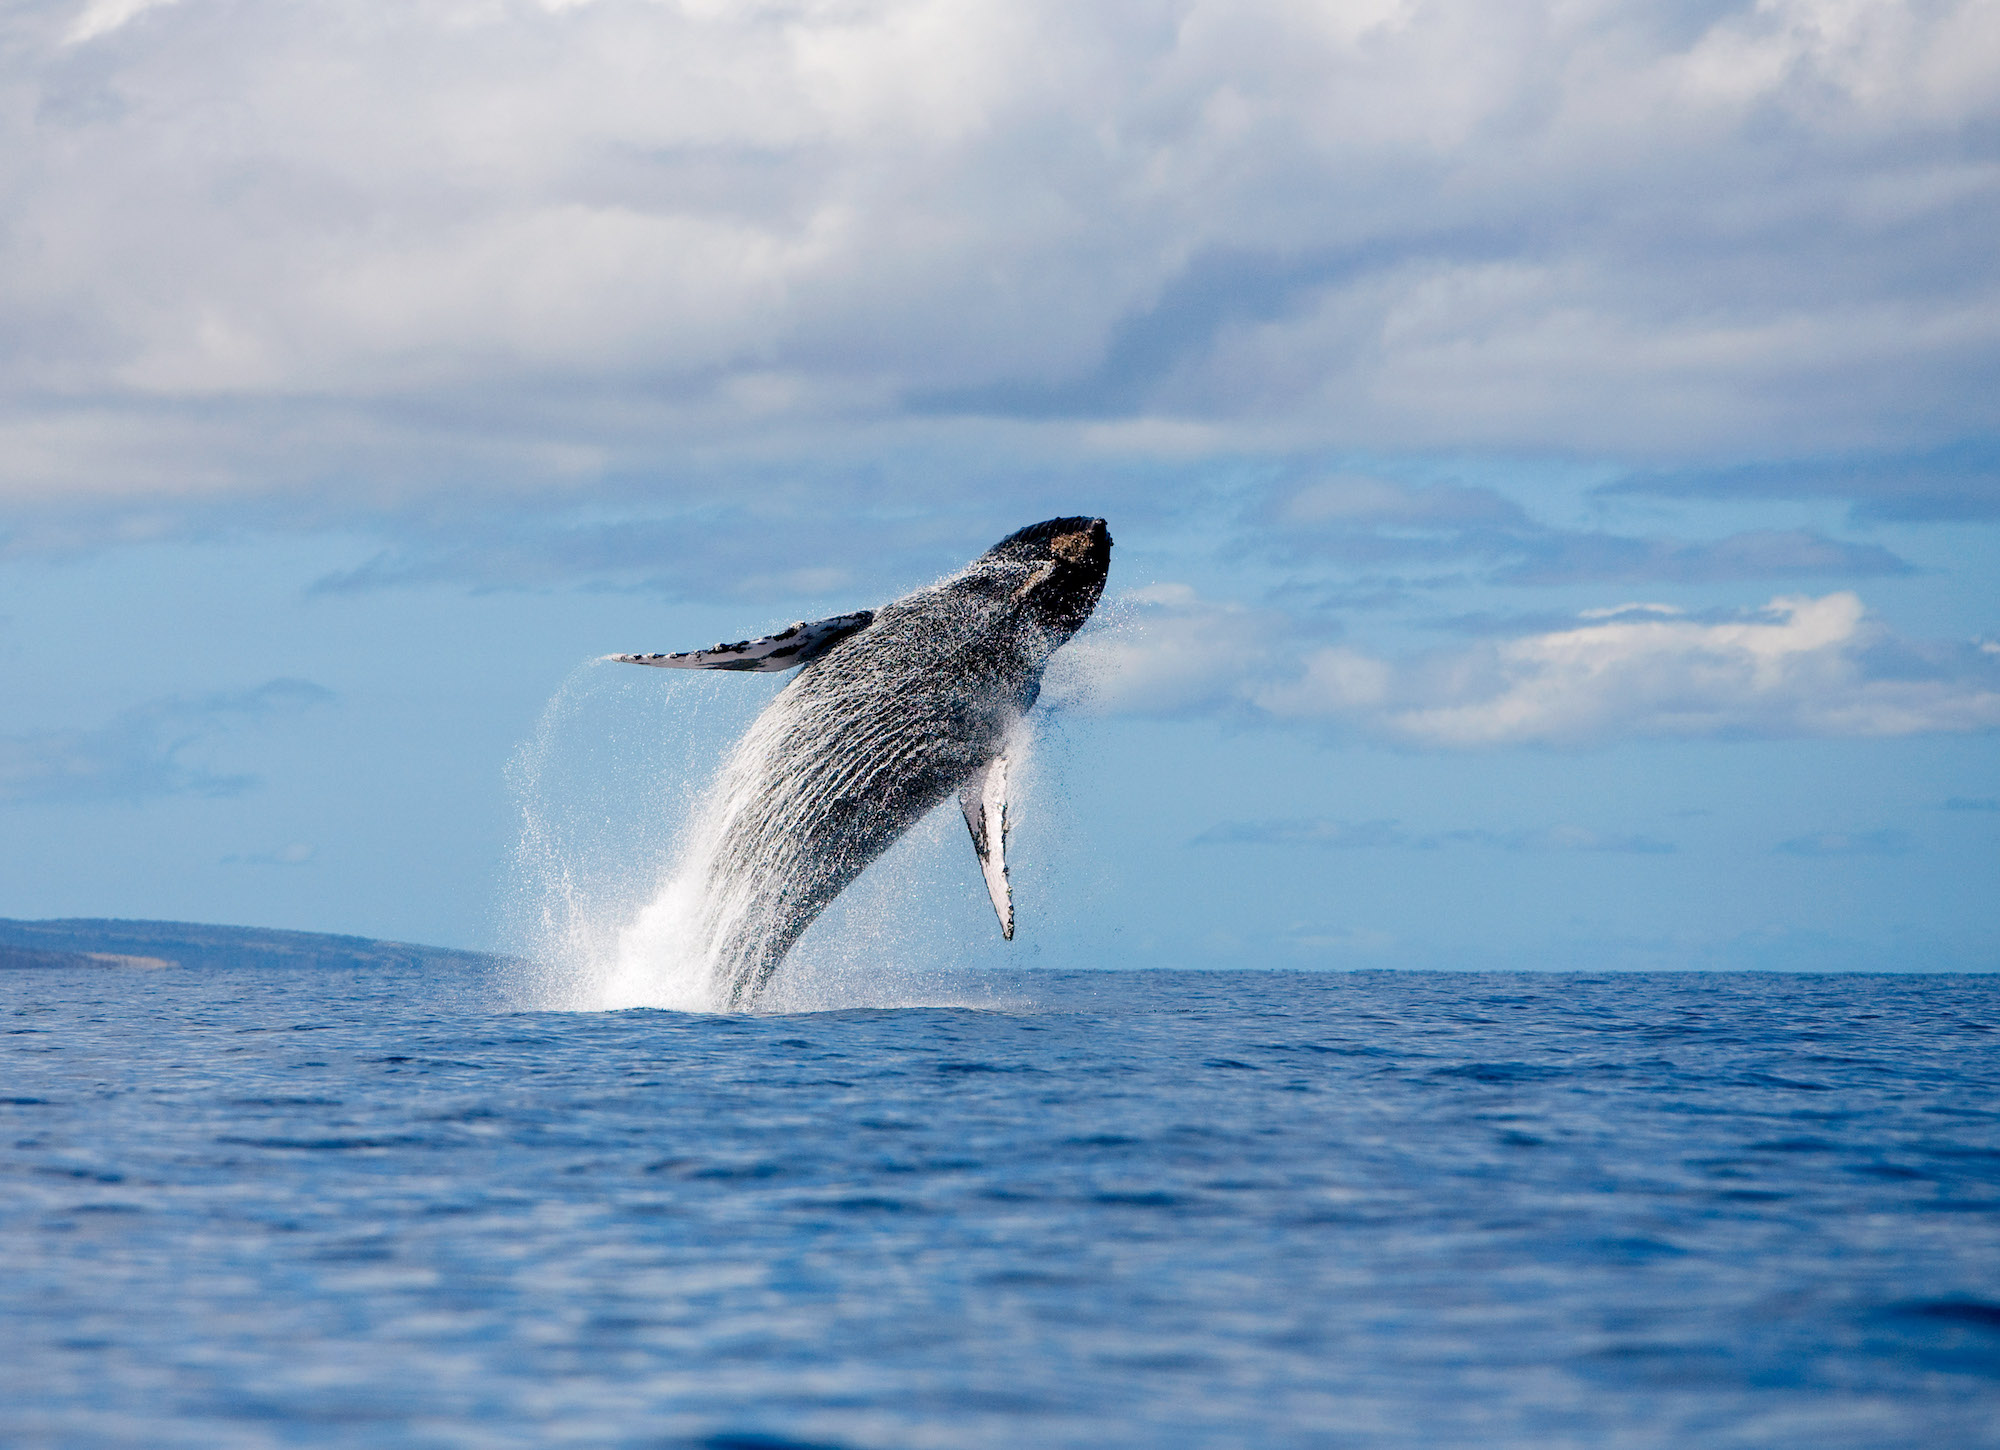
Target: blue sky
{"type": "Point", "coordinates": [1553, 452]}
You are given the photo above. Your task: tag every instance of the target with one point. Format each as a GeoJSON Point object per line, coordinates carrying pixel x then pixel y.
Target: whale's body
{"type": "Point", "coordinates": [891, 712]}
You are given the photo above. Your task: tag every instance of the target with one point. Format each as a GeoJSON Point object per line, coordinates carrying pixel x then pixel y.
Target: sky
{"type": "Point", "coordinates": [1553, 451]}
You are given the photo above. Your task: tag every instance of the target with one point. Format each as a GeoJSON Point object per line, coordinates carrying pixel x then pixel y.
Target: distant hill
{"type": "Point", "coordinates": [34, 957]}
{"type": "Point", "coordinates": [98, 944]}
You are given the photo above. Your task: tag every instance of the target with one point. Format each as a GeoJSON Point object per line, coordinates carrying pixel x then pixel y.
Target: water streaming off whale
{"type": "Point", "coordinates": [611, 791]}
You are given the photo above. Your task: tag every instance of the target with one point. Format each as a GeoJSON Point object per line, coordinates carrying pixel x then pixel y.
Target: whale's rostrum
{"type": "Point", "coordinates": [892, 710]}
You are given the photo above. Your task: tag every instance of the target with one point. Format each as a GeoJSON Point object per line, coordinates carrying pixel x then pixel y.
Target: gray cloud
{"type": "Point", "coordinates": [1144, 350]}
{"type": "Point", "coordinates": [1558, 557]}
{"type": "Point", "coordinates": [534, 249]}
{"type": "Point", "coordinates": [1554, 839]}
{"type": "Point", "coordinates": [788, 541]}
{"type": "Point", "coordinates": [149, 750]}
{"type": "Point", "coordinates": [1357, 520]}
{"type": "Point", "coordinates": [1959, 482]}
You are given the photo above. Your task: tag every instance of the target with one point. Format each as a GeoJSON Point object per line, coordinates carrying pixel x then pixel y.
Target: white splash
{"type": "Point", "coordinates": [623, 792]}
{"type": "Point", "coordinates": [605, 787]}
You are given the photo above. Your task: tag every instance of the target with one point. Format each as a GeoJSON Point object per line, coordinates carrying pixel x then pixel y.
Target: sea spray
{"type": "Point", "coordinates": [620, 790]}
{"type": "Point", "coordinates": [606, 788]}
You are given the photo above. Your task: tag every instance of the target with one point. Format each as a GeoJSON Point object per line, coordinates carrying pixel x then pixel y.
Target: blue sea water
{"type": "Point", "coordinates": [257, 1207]}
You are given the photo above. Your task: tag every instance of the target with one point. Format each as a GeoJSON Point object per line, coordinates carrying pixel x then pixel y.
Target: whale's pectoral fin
{"type": "Point", "coordinates": [785, 650]}
{"type": "Point", "coordinates": [984, 801]}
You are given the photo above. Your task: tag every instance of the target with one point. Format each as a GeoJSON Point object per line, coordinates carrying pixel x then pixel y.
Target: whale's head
{"type": "Point", "coordinates": [1064, 562]}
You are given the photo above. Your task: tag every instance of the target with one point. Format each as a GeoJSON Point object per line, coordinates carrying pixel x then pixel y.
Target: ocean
{"type": "Point", "coordinates": [382, 1207]}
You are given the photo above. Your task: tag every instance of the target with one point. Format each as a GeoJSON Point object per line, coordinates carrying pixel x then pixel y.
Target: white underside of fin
{"type": "Point", "coordinates": [785, 650]}
{"type": "Point", "coordinates": [984, 801]}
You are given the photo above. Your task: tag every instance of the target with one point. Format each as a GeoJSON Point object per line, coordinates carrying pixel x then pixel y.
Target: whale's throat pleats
{"type": "Point", "coordinates": [892, 712]}
{"type": "Point", "coordinates": [857, 749]}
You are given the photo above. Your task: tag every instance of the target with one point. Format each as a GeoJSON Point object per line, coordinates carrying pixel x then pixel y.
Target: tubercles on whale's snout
{"type": "Point", "coordinates": [1038, 543]}
{"type": "Point", "coordinates": [1064, 589]}
{"type": "Point", "coordinates": [1078, 547]}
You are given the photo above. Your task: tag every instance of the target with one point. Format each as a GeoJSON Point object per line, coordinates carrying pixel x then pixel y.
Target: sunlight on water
{"type": "Point", "coordinates": [621, 791]}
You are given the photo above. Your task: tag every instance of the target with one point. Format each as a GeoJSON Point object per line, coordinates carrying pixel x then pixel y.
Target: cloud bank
{"type": "Point", "coordinates": [1953, 484]}
{"type": "Point", "coordinates": [368, 251]}
{"type": "Point", "coordinates": [1362, 520]}
{"type": "Point", "coordinates": [1802, 666]}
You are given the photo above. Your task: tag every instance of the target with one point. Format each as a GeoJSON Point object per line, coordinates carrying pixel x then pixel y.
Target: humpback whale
{"type": "Point", "coordinates": [891, 711]}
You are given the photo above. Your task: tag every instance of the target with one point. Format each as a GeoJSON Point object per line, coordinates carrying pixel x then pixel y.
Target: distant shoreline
{"type": "Point", "coordinates": [108, 943]}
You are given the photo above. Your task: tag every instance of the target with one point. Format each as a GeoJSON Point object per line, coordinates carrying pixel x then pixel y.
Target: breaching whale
{"type": "Point", "coordinates": [892, 710]}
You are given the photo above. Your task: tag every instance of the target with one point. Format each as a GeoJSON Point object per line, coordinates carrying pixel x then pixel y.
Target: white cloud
{"type": "Point", "coordinates": [101, 17]}
{"type": "Point", "coordinates": [1801, 667]}
{"type": "Point", "coordinates": [1212, 223]}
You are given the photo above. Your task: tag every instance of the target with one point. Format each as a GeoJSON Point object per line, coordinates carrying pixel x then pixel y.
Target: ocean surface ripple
{"type": "Point", "coordinates": [256, 1207]}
